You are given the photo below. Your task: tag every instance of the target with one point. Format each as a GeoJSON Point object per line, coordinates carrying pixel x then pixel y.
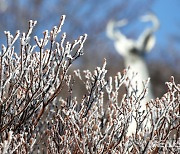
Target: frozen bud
{"type": "Point", "coordinates": [119, 75]}
{"type": "Point", "coordinates": [64, 35]}
{"type": "Point", "coordinates": [95, 127]}
{"type": "Point", "coordinates": [3, 48]}
{"type": "Point", "coordinates": [7, 32]}
{"type": "Point", "coordinates": [63, 17]}
{"type": "Point", "coordinates": [35, 22]}
{"type": "Point", "coordinates": [54, 28]}
{"type": "Point", "coordinates": [17, 32]}
{"type": "Point", "coordinates": [45, 32]}
{"type": "Point", "coordinates": [30, 23]}
{"type": "Point", "coordinates": [84, 38]}
{"type": "Point", "coordinates": [10, 134]}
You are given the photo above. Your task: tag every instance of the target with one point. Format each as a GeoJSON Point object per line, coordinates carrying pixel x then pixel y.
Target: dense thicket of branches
{"type": "Point", "coordinates": [40, 112]}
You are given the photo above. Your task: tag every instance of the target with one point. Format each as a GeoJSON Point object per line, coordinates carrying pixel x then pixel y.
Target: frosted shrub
{"type": "Point", "coordinates": [96, 129]}
{"type": "Point", "coordinates": [36, 116]}
{"type": "Point", "coordinates": [30, 81]}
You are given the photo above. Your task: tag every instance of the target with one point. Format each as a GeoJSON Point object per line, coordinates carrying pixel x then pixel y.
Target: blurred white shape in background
{"type": "Point", "coordinates": [133, 52]}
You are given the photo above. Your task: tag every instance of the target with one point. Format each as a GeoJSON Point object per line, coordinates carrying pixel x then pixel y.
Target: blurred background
{"type": "Point", "coordinates": [91, 17]}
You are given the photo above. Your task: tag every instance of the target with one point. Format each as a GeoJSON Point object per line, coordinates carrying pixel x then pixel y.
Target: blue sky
{"type": "Point", "coordinates": [168, 12]}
